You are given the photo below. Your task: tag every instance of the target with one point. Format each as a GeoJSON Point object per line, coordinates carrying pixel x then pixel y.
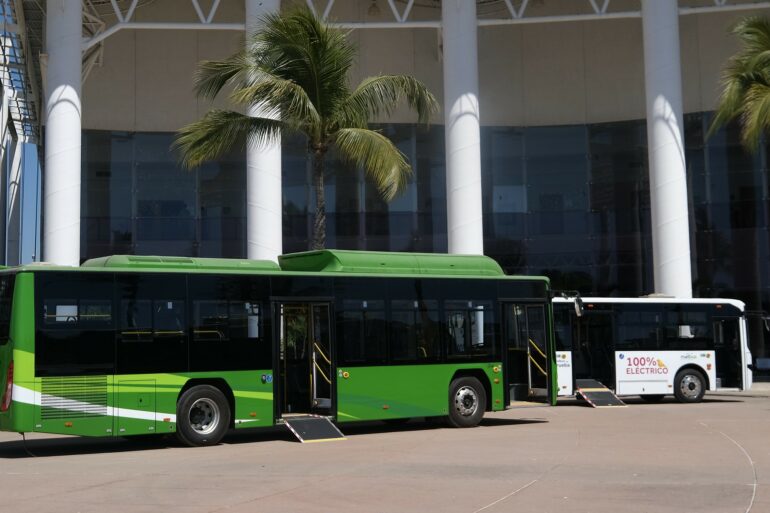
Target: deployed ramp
{"type": "Point", "coordinates": [596, 394]}
{"type": "Point", "coordinates": [313, 428]}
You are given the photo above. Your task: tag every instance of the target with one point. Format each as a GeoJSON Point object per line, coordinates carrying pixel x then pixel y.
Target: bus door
{"type": "Point", "coordinates": [729, 354]}
{"type": "Point", "coordinates": [305, 358]}
{"type": "Point", "coordinates": [594, 356]}
{"type": "Point", "coordinates": [527, 360]}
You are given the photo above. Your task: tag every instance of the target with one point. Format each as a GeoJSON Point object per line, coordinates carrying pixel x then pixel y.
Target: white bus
{"type": "Point", "coordinates": [652, 347]}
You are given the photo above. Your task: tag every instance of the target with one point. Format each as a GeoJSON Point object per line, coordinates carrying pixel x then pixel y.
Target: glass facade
{"type": "Point", "coordinates": [569, 202]}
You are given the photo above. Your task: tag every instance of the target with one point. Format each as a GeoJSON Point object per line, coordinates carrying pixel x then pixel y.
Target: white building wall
{"type": "Point", "coordinates": [539, 74]}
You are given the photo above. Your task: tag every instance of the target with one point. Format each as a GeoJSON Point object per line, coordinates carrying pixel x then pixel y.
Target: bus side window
{"type": "Point", "coordinates": [75, 325]}
{"type": "Point", "coordinates": [153, 323]}
{"type": "Point", "coordinates": [470, 326]}
{"type": "Point", "coordinates": [361, 331]}
{"type": "Point", "coordinates": [136, 321]}
{"type": "Point", "coordinates": [414, 330]}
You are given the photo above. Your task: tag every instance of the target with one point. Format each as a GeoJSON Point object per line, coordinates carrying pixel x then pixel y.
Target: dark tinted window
{"type": "Point", "coordinates": [470, 326]}
{"type": "Point", "coordinates": [688, 327]}
{"type": "Point", "coordinates": [6, 301]}
{"type": "Point", "coordinates": [361, 331]}
{"type": "Point", "coordinates": [228, 323]}
{"type": "Point", "coordinates": [75, 323]}
{"type": "Point", "coordinates": [152, 333]}
{"type": "Point", "coordinates": [562, 325]}
{"type": "Point", "coordinates": [638, 326]}
{"type": "Point", "coordinates": [414, 330]}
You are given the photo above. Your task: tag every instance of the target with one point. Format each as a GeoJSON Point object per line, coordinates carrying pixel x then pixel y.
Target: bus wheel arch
{"type": "Point", "coordinates": [690, 384]}
{"type": "Point", "coordinates": [482, 378]}
{"type": "Point", "coordinates": [467, 398]}
{"type": "Point", "coordinates": [212, 401]}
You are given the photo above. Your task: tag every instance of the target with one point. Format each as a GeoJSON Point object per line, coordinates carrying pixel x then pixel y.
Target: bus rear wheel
{"type": "Point", "coordinates": [467, 401]}
{"type": "Point", "coordinates": [202, 416]}
{"type": "Point", "coordinates": [689, 386]}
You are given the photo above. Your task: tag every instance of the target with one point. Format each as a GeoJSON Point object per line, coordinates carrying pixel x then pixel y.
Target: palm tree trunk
{"type": "Point", "coordinates": [319, 223]}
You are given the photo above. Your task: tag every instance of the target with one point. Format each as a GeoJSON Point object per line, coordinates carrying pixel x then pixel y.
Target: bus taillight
{"type": "Point", "coordinates": [8, 389]}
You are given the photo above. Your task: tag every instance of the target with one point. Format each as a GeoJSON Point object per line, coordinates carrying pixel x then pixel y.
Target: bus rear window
{"type": "Point", "coordinates": [6, 300]}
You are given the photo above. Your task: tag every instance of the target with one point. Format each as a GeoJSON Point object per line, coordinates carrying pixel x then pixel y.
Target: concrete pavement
{"type": "Point", "coordinates": [667, 457]}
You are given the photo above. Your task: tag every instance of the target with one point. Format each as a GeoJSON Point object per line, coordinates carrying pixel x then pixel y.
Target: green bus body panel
{"type": "Point", "coordinates": [20, 350]}
{"type": "Point", "coordinates": [373, 262]}
{"type": "Point", "coordinates": [393, 392]}
{"type": "Point", "coordinates": [189, 264]}
{"type": "Point", "coordinates": [132, 404]}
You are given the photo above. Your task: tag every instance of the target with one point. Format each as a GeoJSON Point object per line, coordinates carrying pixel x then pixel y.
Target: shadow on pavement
{"type": "Point", "coordinates": [67, 446]}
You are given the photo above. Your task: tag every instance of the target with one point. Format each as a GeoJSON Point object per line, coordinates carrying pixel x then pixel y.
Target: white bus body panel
{"type": "Point", "coordinates": [653, 372]}
{"type": "Point", "coordinates": [564, 373]}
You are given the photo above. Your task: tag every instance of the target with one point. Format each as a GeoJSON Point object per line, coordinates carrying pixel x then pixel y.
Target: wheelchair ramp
{"type": "Point", "coordinates": [313, 428]}
{"type": "Point", "coordinates": [596, 394]}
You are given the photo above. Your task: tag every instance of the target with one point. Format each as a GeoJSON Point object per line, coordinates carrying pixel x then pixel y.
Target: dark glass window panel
{"type": "Point", "coordinates": [299, 287]}
{"type": "Point", "coordinates": [638, 326]}
{"type": "Point", "coordinates": [414, 331]}
{"type": "Point", "coordinates": [153, 334]}
{"type": "Point", "coordinates": [75, 325]}
{"type": "Point", "coordinates": [361, 333]}
{"type": "Point", "coordinates": [562, 326]}
{"type": "Point", "coordinates": [470, 326]}
{"type": "Point", "coordinates": [230, 331]}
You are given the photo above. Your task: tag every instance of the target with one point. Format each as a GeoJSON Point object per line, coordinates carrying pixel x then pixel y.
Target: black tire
{"type": "Point", "coordinates": [467, 402]}
{"type": "Point", "coordinates": [202, 416]}
{"type": "Point", "coordinates": [652, 398]}
{"type": "Point", "coordinates": [689, 386]}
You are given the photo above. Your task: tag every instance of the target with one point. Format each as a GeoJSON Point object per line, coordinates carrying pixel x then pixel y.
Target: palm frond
{"type": "Point", "coordinates": [316, 56]}
{"type": "Point", "coordinates": [382, 95]}
{"type": "Point", "coordinates": [219, 131]}
{"type": "Point", "coordinates": [383, 163]}
{"type": "Point", "coordinates": [744, 82]}
{"type": "Point", "coordinates": [279, 98]}
{"type": "Point", "coordinates": [755, 118]}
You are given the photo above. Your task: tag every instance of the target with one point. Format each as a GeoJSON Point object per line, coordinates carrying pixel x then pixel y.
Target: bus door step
{"type": "Point", "coordinates": [596, 394]}
{"type": "Point", "coordinates": [312, 428]}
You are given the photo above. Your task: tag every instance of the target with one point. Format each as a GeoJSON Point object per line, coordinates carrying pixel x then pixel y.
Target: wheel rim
{"type": "Point", "coordinates": [466, 401]}
{"type": "Point", "coordinates": [204, 416]}
{"type": "Point", "coordinates": [691, 386]}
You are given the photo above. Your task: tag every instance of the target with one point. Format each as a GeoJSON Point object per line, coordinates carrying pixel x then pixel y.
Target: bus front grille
{"type": "Point", "coordinates": [81, 396]}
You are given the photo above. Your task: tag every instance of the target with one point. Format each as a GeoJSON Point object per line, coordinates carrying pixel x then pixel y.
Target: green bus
{"type": "Point", "coordinates": [137, 345]}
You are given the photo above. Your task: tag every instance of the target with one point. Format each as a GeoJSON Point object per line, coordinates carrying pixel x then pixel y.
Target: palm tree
{"type": "Point", "coordinates": [295, 71]}
{"type": "Point", "coordinates": [746, 83]}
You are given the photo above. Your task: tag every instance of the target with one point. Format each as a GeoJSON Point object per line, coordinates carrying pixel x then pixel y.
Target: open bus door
{"type": "Point", "coordinates": [306, 365]}
{"type": "Point", "coordinates": [527, 362]}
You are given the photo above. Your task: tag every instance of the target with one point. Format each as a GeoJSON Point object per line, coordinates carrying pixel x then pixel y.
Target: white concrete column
{"type": "Point", "coordinates": [461, 120]}
{"type": "Point", "coordinates": [61, 203]}
{"type": "Point", "coordinates": [264, 204]}
{"type": "Point", "coordinates": [668, 182]}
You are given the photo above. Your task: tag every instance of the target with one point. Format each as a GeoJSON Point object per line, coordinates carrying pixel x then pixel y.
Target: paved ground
{"type": "Point", "coordinates": [710, 457]}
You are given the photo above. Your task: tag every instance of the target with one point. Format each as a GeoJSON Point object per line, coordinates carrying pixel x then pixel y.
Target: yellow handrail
{"type": "Point", "coordinates": [318, 367]}
{"type": "Point", "coordinates": [318, 349]}
{"type": "Point", "coordinates": [538, 366]}
{"type": "Point", "coordinates": [534, 344]}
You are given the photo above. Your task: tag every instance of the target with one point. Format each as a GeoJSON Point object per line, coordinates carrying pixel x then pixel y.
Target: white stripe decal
{"type": "Point", "coordinates": [27, 396]}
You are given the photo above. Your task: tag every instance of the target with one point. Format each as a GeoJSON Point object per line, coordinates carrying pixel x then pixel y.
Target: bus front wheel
{"type": "Point", "coordinates": [202, 416]}
{"type": "Point", "coordinates": [467, 402]}
{"type": "Point", "coordinates": [689, 386]}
